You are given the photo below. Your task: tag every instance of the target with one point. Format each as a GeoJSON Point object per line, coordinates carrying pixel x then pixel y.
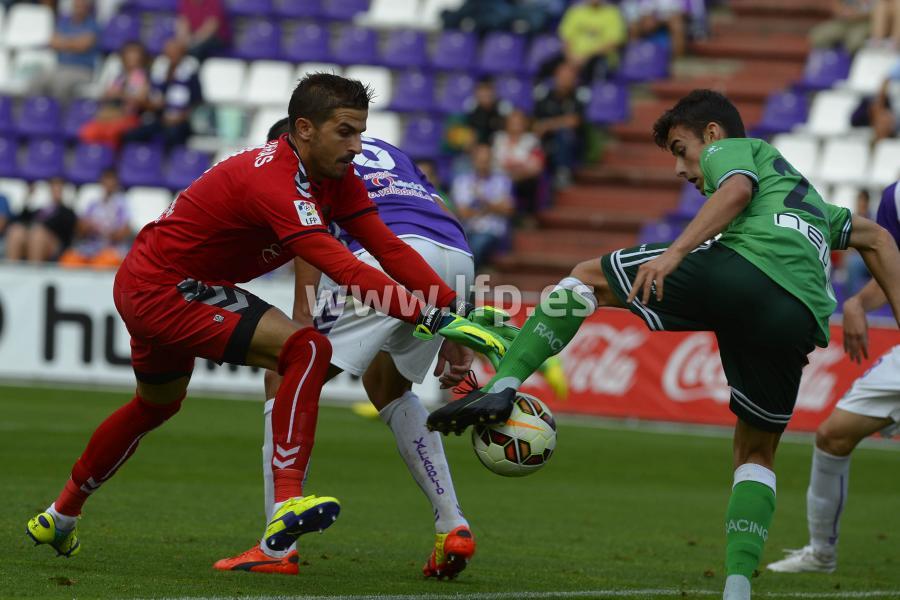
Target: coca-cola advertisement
{"type": "Point", "coordinates": [616, 367]}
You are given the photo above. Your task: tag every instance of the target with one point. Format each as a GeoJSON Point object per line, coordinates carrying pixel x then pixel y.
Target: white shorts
{"type": "Point", "coordinates": [357, 333]}
{"type": "Point", "coordinates": [877, 392]}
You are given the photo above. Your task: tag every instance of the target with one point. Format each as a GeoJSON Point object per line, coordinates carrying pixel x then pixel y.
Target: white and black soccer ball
{"type": "Point", "coordinates": [521, 445]}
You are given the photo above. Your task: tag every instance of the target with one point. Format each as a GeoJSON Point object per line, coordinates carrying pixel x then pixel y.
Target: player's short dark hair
{"type": "Point", "coordinates": [317, 95]}
{"type": "Point", "coordinates": [278, 128]}
{"type": "Point", "coordinates": [695, 111]}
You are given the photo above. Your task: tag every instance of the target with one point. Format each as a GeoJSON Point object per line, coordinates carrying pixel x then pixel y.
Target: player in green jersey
{"type": "Point", "coordinates": [763, 287]}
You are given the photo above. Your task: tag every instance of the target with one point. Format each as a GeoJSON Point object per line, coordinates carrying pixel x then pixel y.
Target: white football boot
{"type": "Point", "coordinates": [805, 560]}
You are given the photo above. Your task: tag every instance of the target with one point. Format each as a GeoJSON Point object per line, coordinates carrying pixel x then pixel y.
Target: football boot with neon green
{"type": "Point", "coordinates": [43, 530]}
{"type": "Point", "coordinates": [299, 516]}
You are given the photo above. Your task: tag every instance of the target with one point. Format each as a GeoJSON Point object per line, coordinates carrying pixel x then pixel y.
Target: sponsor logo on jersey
{"type": "Point", "coordinates": [307, 212]}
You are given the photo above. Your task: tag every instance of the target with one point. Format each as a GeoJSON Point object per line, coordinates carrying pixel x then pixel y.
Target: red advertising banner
{"type": "Point", "coordinates": [616, 367]}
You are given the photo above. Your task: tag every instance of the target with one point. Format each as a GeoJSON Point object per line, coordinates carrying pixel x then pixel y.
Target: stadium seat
{"type": "Point", "coordinates": [160, 29]}
{"type": "Point", "coordinates": [140, 164]}
{"type": "Point", "coordinates": [389, 14]}
{"type": "Point", "coordinates": [40, 194]}
{"type": "Point", "coordinates": [27, 26]}
{"type": "Point", "coordinates": [824, 68]}
{"type": "Point", "coordinates": [830, 113]}
{"type": "Point", "coordinates": [106, 9]}
{"type": "Point", "coordinates": [222, 80]}
{"type": "Point", "coordinates": [870, 68]}
{"type": "Point", "coordinates": [79, 112]}
{"type": "Point", "coordinates": [343, 10]}
{"type": "Point", "coordinates": [88, 162]}
{"type": "Point", "coordinates": [15, 190]}
{"type": "Point", "coordinates": [269, 83]}
{"type": "Point", "coordinates": [422, 138]}
{"type": "Point", "coordinates": [27, 64]}
{"type": "Point", "coordinates": [405, 48]}
{"type": "Point", "coordinates": [306, 42]}
{"type": "Point", "coordinates": [454, 51]}
{"type": "Point", "coordinates": [38, 116]}
{"type": "Point", "coordinates": [379, 79]}
{"type": "Point", "coordinates": [43, 158]}
{"type": "Point", "coordinates": [414, 92]}
{"type": "Point", "coordinates": [262, 122]}
{"type": "Point", "coordinates": [885, 163]}
{"type": "Point", "coordinates": [844, 160]}
{"type": "Point", "coordinates": [661, 231]}
{"type": "Point", "coordinates": [384, 126]}
{"type": "Point", "coordinates": [258, 39]}
{"type": "Point", "coordinates": [543, 48]}
{"type": "Point", "coordinates": [7, 125]}
{"type": "Point", "coordinates": [354, 46]}
{"type": "Point", "coordinates": [502, 52]}
{"type": "Point", "coordinates": [455, 92]}
{"type": "Point", "coordinates": [184, 166]}
{"type": "Point", "coordinates": [87, 194]}
{"type": "Point", "coordinates": [8, 149]}
{"type": "Point", "coordinates": [5, 68]}
{"type": "Point", "coordinates": [430, 12]}
{"type": "Point", "coordinates": [250, 8]}
{"type": "Point", "coordinates": [146, 204]}
{"type": "Point", "coordinates": [644, 61]}
{"type": "Point", "coordinates": [291, 9]}
{"type": "Point", "coordinates": [844, 196]}
{"type": "Point", "coordinates": [782, 112]}
{"type": "Point", "coordinates": [608, 104]}
{"type": "Point", "coordinates": [515, 90]}
{"type": "Point", "coordinates": [802, 151]}
{"type": "Point", "coordinates": [689, 202]}
{"type": "Point", "coordinates": [122, 28]}
{"type": "Point", "coordinates": [2, 15]}
{"type": "Point", "coordinates": [103, 77]}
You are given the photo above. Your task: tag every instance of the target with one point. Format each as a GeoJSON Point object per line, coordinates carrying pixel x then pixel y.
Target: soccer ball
{"type": "Point", "coordinates": [520, 446]}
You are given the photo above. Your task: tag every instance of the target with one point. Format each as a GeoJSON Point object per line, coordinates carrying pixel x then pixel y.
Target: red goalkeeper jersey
{"type": "Point", "coordinates": [256, 210]}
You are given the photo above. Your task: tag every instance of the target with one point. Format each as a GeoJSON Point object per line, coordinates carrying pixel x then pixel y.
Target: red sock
{"type": "Point", "coordinates": [303, 362]}
{"type": "Point", "coordinates": [112, 443]}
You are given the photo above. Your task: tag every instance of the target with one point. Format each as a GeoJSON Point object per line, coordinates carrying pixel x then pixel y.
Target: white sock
{"type": "Point", "coordinates": [505, 383]}
{"type": "Point", "coordinates": [737, 587]}
{"type": "Point", "coordinates": [62, 522]}
{"type": "Point", "coordinates": [269, 479]}
{"type": "Point", "coordinates": [423, 453]}
{"type": "Point", "coordinates": [826, 497]}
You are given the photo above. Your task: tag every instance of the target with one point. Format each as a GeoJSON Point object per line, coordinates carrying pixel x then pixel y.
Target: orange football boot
{"type": "Point", "coordinates": [452, 552]}
{"type": "Point", "coordinates": [257, 561]}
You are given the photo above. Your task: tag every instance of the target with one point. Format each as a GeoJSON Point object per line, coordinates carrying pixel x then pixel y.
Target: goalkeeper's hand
{"type": "Point", "coordinates": [434, 321]}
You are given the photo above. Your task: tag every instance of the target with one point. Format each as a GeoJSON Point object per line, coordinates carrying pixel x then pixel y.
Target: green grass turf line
{"type": "Point", "coordinates": [623, 510]}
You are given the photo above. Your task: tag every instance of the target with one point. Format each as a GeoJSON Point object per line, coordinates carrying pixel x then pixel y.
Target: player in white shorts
{"type": "Point", "coordinates": [872, 404]}
{"type": "Point", "coordinates": [388, 357]}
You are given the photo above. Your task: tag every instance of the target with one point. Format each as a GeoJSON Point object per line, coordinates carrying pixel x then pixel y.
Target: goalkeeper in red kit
{"type": "Point", "coordinates": [176, 292]}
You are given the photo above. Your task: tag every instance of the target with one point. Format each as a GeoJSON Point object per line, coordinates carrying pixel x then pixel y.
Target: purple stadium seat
{"type": "Point", "coordinates": [307, 42]}
{"type": "Point", "coordinates": [80, 111]}
{"type": "Point", "coordinates": [160, 5]}
{"type": "Point", "coordinates": [782, 112]}
{"type": "Point", "coordinates": [7, 125]}
{"type": "Point", "coordinates": [141, 164]}
{"type": "Point", "coordinates": [355, 46]}
{"type": "Point", "coordinates": [422, 138]}
{"type": "Point", "coordinates": [249, 8]}
{"type": "Point", "coordinates": [457, 89]}
{"type": "Point", "coordinates": [43, 159]}
{"type": "Point", "coordinates": [608, 104]}
{"type": "Point", "coordinates": [454, 51]}
{"type": "Point", "coordinates": [88, 162]}
{"type": "Point", "coordinates": [404, 48]}
{"type": "Point", "coordinates": [258, 39]}
{"type": "Point", "coordinates": [644, 61]}
{"type": "Point", "coordinates": [122, 28]}
{"type": "Point", "coordinates": [543, 48]}
{"type": "Point", "coordinates": [294, 9]}
{"type": "Point", "coordinates": [184, 166]}
{"type": "Point", "coordinates": [414, 92]}
{"type": "Point", "coordinates": [38, 116]}
{"type": "Point", "coordinates": [8, 148]}
{"type": "Point", "coordinates": [689, 204]}
{"type": "Point", "coordinates": [824, 68]}
{"type": "Point", "coordinates": [343, 10]}
{"type": "Point", "coordinates": [516, 91]}
{"type": "Point", "coordinates": [662, 231]}
{"type": "Point", "coordinates": [502, 52]}
{"type": "Point", "coordinates": [160, 30]}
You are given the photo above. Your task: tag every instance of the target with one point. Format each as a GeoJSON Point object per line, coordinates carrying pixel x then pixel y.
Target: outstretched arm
{"type": "Point", "coordinates": [879, 251]}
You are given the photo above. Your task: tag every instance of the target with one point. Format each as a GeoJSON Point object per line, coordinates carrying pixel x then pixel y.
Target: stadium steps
{"type": "Point", "coordinates": [723, 24]}
{"type": "Point", "coordinates": [771, 46]}
{"type": "Point", "coordinates": [780, 9]}
{"type": "Point", "coordinates": [645, 113]}
{"type": "Point", "coordinates": [617, 198]}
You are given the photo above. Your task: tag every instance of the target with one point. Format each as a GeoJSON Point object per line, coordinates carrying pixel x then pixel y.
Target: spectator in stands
{"type": "Point", "coordinates": [486, 117]}
{"type": "Point", "coordinates": [40, 235]}
{"type": "Point", "coordinates": [885, 106]}
{"type": "Point", "coordinates": [5, 217]}
{"type": "Point", "coordinates": [592, 33]}
{"type": "Point", "coordinates": [103, 233]}
{"type": "Point", "coordinates": [175, 91]}
{"type": "Point", "coordinates": [849, 26]}
{"type": "Point", "coordinates": [658, 20]}
{"type": "Point", "coordinates": [857, 273]}
{"type": "Point", "coordinates": [75, 42]}
{"type": "Point", "coordinates": [202, 27]}
{"type": "Point", "coordinates": [483, 199]}
{"type": "Point", "coordinates": [518, 154]}
{"type": "Point", "coordinates": [558, 123]}
{"type": "Point", "coordinates": [123, 101]}
{"type": "Point", "coordinates": [886, 24]}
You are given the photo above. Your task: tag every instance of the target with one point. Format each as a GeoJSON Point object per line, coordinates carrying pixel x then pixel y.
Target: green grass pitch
{"type": "Point", "coordinates": [618, 510]}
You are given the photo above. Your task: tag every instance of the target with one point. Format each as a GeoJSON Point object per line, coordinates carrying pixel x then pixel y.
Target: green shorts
{"type": "Point", "coordinates": [764, 333]}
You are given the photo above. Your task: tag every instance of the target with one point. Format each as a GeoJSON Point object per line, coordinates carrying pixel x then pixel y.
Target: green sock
{"type": "Point", "coordinates": [545, 333]}
{"type": "Point", "coordinates": [747, 523]}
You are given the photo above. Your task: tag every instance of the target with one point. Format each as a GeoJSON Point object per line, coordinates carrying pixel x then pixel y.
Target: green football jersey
{"type": "Point", "coordinates": [787, 230]}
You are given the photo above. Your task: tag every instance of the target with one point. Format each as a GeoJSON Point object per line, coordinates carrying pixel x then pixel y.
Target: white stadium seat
{"type": "Point", "coordinates": [87, 195]}
{"type": "Point", "coordinates": [26, 65]}
{"type": "Point", "coordinates": [27, 26]}
{"type": "Point", "coordinates": [802, 151]}
{"type": "Point", "coordinates": [109, 70]}
{"type": "Point", "coordinates": [5, 70]}
{"type": "Point", "coordinates": [430, 17]}
{"type": "Point", "coordinates": [105, 9]}
{"type": "Point", "coordinates": [830, 113]}
{"type": "Point", "coordinates": [269, 83]}
{"type": "Point", "coordinates": [262, 122]}
{"type": "Point", "coordinates": [885, 163]}
{"type": "Point", "coordinates": [15, 190]}
{"type": "Point", "coordinates": [390, 14]}
{"type": "Point", "coordinates": [41, 197]}
{"type": "Point", "coordinates": [844, 161]}
{"type": "Point", "coordinates": [379, 79]}
{"type": "Point", "coordinates": [385, 126]}
{"type": "Point", "coordinates": [222, 80]}
{"type": "Point", "coordinates": [146, 204]}
{"type": "Point", "coordinates": [2, 17]}
{"type": "Point", "coordinates": [845, 196]}
{"type": "Point", "coordinates": [869, 69]}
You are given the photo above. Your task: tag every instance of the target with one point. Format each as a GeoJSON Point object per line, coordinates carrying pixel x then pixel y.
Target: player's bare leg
{"type": "Point", "coordinates": [553, 325]}
{"type": "Point", "coordinates": [826, 495]}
